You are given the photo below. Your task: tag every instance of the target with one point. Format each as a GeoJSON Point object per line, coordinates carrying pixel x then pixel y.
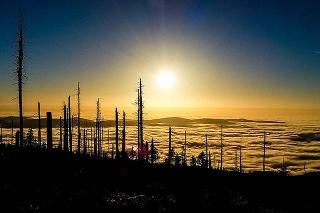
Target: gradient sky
{"type": "Point", "coordinates": [223, 54]}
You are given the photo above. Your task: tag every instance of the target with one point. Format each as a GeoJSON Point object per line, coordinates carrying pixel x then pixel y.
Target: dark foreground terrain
{"type": "Point", "coordinates": [42, 181]}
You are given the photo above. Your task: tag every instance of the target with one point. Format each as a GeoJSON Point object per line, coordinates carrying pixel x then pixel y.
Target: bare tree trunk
{"type": "Point", "coordinates": [185, 148]}
{"type": "Point", "coordinates": [124, 136]}
{"type": "Point", "coordinates": [12, 136]}
{"type": "Point", "coordinates": [79, 131]}
{"type": "Point", "coordinates": [109, 142]}
{"type": "Point", "coordinates": [49, 130]}
{"type": "Point", "coordinates": [60, 141]}
{"type": "Point", "coordinates": [147, 152]}
{"type": "Point", "coordinates": [91, 140]}
{"type": "Point", "coordinates": [138, 124]}
{"type": "Point", "coordinates": [240, 150]}
{"type": "Point", "coordinates": [70, 124]}
{"type": "Point", "coordinates": [19, 72]}
{"type": "Point", "coordinates": [207, 160]}
{"type": "Point", "coordinates": [169, 148]}
{"type": "Point", "coordinates": [65, 127]}
{"type": "Point", "coordinates": [39, 124]}
{"type": "Point", "coordinates": [141, 113]}
{"type": "Point", "coordinates": [117, 134]}
{"type": "Point", "coordinates": [210, 165]}
{"type": "Point", "coordinates": [84, 141]}
{"type": "Point", "coordinates": [264, 152]}
{"type": "Point", "coordinates": [221, 150]}
{"type": "Point", "coordinates": [1, 136]}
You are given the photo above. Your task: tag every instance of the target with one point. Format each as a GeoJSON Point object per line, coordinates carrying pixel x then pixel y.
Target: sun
{"type": "Point", "coordinates": [165, 79]}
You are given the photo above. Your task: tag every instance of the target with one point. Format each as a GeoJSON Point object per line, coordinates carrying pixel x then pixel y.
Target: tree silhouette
{"type": "Point", "coordinates": [84, 141]}
{"type": "Point", "coordinates": [1, 136]}
{"type": "Point", "coordinates": [60, 131]}
{"type": "Point", "coordinates": [154, 155]}
{"type": "Point", "coordinates": [65, 127]}
{"type": "Point", "coordinates": [117, 133]}
{"type": "Point", "coordinates": [140, 104]}
{"type": "Point", "coordinates": [20, 74]}
{"type": "Point", "coordinates": [221, 150]}
{"type": "Point", "coordinates": [30, 137]}
{"type": "Point", "coordinates": [123, 150]}
{"type": "Point", "coordinates": [70, 124]}
{"type": "Point", "coordinates": [147, 152]}
{"type": "Point", "coordinates": [265, 143]}
{"type": "Point", "coordinates": [39, 124]}
{"type": "Point", "coordinates": [240, 150]}
{"type": "Point", "coordinates": [201, 161]}
{"type": "Point", "coordinates": [170, 153]}
{"type": "Point", "coordinates": [178, 160]}
{"type": "Point", "coordinates": [207, 160]}
{"type": "Point", "coordinates": [49, 130]}
{"type": "Point", "coordinates": [193, 161]}
{"type": "Point", "coordinates": [17, 138]}
{"type": "Point", "coordinates": [132, 154]}
{"type": "Point", "coordinates": [78, 119]}
{"type": "Point", "coordinates": [184, 160]}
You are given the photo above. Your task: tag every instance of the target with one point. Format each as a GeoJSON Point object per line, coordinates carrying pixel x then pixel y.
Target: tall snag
{"type": "Point", "coordinates": [20, 75]}
{"type": "Point", "coordinates": [70, 124]}
{"type": "Point", "coordinates": [221, 149]}
{"type": "Point", "coordinates": [123, 151]}
{"type": "Point", "coordinates": [39, 124]}
{"type": "Point", "coordinates": [78, 119]}
{"type": "Point", "coordinates": [117, 133]}
{"type": "Point", "coordinates": [65, 128]}
{"type": "Point", "coordinates": [169, 148]}
{"type": "Point", "coordinates": [140, 120]}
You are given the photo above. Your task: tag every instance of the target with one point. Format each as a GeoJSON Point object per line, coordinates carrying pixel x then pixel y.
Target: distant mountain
{"type": "Point", "coordinates": [29, 122]}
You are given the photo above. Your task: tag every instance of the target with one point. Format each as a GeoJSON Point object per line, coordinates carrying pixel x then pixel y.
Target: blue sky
{"type": "Point", "coordinates": [243, 49]}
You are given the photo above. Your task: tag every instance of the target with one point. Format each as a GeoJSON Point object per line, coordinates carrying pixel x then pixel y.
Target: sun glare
{"type": "Point", "coordinates": [165, 79]}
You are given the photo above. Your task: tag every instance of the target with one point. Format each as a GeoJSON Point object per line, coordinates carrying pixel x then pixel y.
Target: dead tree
{"type": "Point", "coordinates": [264, 152]}
{"type": "Point", "coordinates": [65, 128]}
{"type": "Point", "coordinates": [95, 150]}
{"type": "Point", "coordinates": [97, 138]}
{"type": "Point", "coordinates": [20, 75]}
{"type": "Point", "coordinates": [49, 130]}
{"type": "Point", "coordinates": [169, 148]}
{"type": "Point", "coordinates": [117, 133]}
{"type": "Point", "coordinates": [70, 124]}
{"type": "Point", "coordinates": [101, 140]}
{"type": "Point", "coordinates": [91, 140]}
{"type": "Point", "coordinates": [147, 152]}
{"type": "Point", "coordinates": [84, 141]}
{"type": "Point", "coordinates": [236, 160]}
{"type": "Point", "coordinates": [185, 149]}
{"type": "Point", "coordinates": [123, 151]}
{"type": "Point", "coordinates": [1, 136]}
{"type": "Point", "coordinates": [18, 138]}
{"type": "Point", "coordinates": [60, 139]}
{"type": "Point", "coordinates": [207, 160]}
{"type": "Point", "coordinates": [39, 124]}
{"type": "Point", "coordinates": [138, 123]}
{"type": "Point", "coordinates": [12, 136]}
{"type": "Point", "coordinates": [221, 150]}
{"type": "Point", "coordinates": [112, 151]}
{"type": "Point", "coordinates": [140, 119]}
{"type": "Point", "coordinates": [240, 153]}
{"type": "Point", "coordinates": [141, 113]}
{"type": "Point", "coordinates": [79, 131]}
{"type": "Point", "coordinates": [153, 152]}
{"type": "Point", "coordinates": [108, 142]}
